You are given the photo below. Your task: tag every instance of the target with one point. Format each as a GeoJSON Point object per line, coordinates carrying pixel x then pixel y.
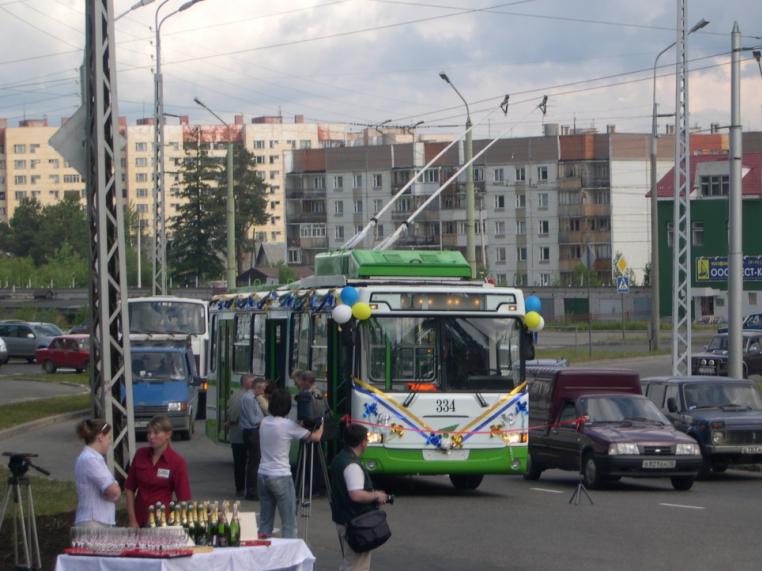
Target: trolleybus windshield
{"type": "Point", "coordinates": [447, 353]}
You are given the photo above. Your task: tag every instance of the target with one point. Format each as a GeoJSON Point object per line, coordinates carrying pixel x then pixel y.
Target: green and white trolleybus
{"type": "Point", "coordinates": [404, 342]}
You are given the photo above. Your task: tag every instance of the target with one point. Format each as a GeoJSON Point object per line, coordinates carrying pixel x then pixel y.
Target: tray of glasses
{"type": "Point", "coordinates": [151, 554]}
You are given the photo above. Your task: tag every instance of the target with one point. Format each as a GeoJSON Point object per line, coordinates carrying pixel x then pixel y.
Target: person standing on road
{"type": "Point", "coordinates": [276, 486]}
{"type": "Point", "coordinates": [235, 434]}
{"type": "Point", "coordinates": [156, 473]}
{"type": "Point", "coordinates": [251, 416]}
{"type": "Point", "coordinates": [319, 410]}
{"type": "Point", "coordinates": [352, 494]}
{"type": "Point", "coordinates": [97, 491]}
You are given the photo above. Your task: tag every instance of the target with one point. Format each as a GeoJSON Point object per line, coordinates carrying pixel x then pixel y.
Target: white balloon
{"type": "Point", "coordinates": [541, 326]}
{"type": "Point", "coordinates": [341, 313]}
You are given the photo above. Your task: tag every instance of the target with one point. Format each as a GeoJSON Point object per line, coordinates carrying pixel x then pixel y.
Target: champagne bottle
{"type": "Point", "coordinates": [201, 532]}
{"type": "Point", "coordinates": [223, 531]}
{"type": "Point", "coordinates": [192, 522]}
{"type": "Point", "coordinates": [184, 514]}
{"type": "Point", "coordinates": [171, 514]}
{"type": "Point", "coordinates": [214, 538]}
{"type": "Point", "coordinates": [151, 517]}
{"type": "Point", "coordinates": [235, 527]}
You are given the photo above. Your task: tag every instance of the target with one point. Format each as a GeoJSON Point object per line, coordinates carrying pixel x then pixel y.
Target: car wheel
{"type": "Point", "coordinates": [590, 475]}
{"type": "Point", "coordinates": [745, 371]}
{"type": "Point", "coordinates": [201, 412]}
{"type": "Point", "coordinates": [683, 483]}
{"type": "Point", "coordinates": [719, 468]}
{"type": "Point", "coordinates": [466, 481]}
{"type": "Point", "coordinates": [49, 367]}
{"type": "Point", "coordinates": [533, 471]}
{"type": "Point", "coordinates": [30, 360]}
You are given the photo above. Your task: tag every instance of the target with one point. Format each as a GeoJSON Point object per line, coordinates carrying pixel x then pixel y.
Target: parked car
{"type": "Point", "coordinates": [598, 422]}
{"type": "Point", "coordinates": [83, 327]}
{"type": "Point", "coordinates": [165, 381]}
{"type": "Point", "coordinates": [3, 352]}
{"type": "Point", "coordinates": [724, 415]}
{"type": "Point", "coordinates": [23, 338]}
{"type": "Point", "coordinates": [67, 351]}
{"type": "Point", "coordinates": [45, 327]}
{"type": "Point", "coordinates": [753, 321]}
{"type": "Point", "coordinates": [714, 359]}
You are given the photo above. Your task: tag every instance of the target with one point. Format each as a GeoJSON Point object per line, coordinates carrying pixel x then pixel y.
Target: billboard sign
{"type": "Point", "coordinates": [715, 268]}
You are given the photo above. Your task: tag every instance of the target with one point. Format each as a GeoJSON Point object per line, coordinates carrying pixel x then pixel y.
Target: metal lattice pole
{"type": "Point", "coordinates": [681, 268]}
{"type": "Point", "coordinates": [159, 260]}
{"type": "Point", "coordinates": [110, 379]}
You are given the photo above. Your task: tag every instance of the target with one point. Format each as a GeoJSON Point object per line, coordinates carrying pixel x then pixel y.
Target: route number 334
{"type": "Point", "coordinates": [445, 405]}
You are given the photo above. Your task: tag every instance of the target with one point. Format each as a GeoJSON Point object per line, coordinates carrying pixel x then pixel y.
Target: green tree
{"type": "Point", "coordinates": [249, 191]}
{"type": "Point", "coordinates": [26, 225]}
{"type": "Point", "coordinates": [65, 222]}
{"type": "Point", "coordinates": [195, 252]}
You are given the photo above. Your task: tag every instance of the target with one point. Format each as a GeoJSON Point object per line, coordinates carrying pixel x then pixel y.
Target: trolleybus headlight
{"type": "Point", "coordinates": [375, 438]}
{"type": "Point", "coordinates": [688, 449]}
{"type": "Point", "coordinates": [621, 448]}
{"type": "Point", "coordinates": [711, 362]}
{"type": "Point", "coordinates": [371, 465]}
{"type": "Point", "coordinates": [516, 465]}
{"type": "Point", "coordinates": [703, 362]}
{"type": "Point", "coordinates": [514, 438]}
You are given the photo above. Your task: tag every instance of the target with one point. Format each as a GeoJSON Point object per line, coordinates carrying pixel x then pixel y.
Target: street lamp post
{"type": "Point", "coordinates": [159, 258]}
{"type": "Point", "coordinates": [230, 207]}
{"type": "Point", "coordinates": [654, 277]}
{"type": "Point", "coordinates": [470, 201]}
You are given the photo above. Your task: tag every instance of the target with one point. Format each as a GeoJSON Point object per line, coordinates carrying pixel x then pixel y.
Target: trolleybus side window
{"type": "Point", "coordinates": [300, 349]}
{"type": "Point", "coordinates": [319, 362]}
{"type": "Point", "coordinates": [258, 344]}
{"type": "Point", "coordinates": [242, 343]}
{"type": "Point", "coordinates": [213, 345]}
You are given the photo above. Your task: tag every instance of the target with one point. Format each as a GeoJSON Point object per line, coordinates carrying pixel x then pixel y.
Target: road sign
{"type": "Point", "coordinates": [623, 284]}
{"type": "Point", "coordinates": [621, 265]}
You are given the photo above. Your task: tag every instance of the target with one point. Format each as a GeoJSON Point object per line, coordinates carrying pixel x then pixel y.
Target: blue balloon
{"type": "Point", "coordinates": [348, 295]}
{"type": "Point", "coordinates": [532, 303]}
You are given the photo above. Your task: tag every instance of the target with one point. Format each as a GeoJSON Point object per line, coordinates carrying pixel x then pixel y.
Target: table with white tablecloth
{"type": "Point", "coordinates": [281, 555]}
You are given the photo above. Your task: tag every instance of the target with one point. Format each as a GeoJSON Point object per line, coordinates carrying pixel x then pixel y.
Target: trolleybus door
{"type": "Point", "coordinates": [277, 351]}
{"type": "Point", "coordinates": [224, 366]}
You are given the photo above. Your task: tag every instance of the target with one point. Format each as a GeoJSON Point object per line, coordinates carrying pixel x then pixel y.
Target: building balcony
{"type": "Point", "coordinates": [305, 192]}
{"type": "Point", "coordinates": [570, 183]}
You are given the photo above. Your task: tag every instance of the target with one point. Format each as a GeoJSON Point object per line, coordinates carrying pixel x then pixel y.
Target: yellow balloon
{"type": "Point", "coordinates": [532, 319]}
{"type": "Point", "coordinates": [361, 311]}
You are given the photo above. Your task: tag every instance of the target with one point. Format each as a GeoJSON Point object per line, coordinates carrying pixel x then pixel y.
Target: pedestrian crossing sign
{"type": "Point", "coordinates": [623, 284]}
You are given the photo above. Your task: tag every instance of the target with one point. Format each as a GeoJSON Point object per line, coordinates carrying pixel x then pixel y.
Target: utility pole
{"type": "Point", "coordinates": [681, 263]}
{"type": "Point", "coordinates": [735, 211]}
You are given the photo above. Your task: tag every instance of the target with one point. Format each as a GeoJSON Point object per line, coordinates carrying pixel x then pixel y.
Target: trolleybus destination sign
{"type": "Point", "coordinates": [715, 268]}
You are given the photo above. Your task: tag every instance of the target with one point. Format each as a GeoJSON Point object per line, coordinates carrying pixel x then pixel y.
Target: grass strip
{"type": "Point", "coordinates": [76, 378]}
{"type": "Point", "coordinates": [27, 411]}
{"type": "Point", "coordinates": [581, 355]}
{"type": "Point", "coordinates": [50, 496]}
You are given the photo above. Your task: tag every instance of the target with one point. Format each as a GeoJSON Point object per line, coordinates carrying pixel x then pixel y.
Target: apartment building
{"type": "Point", "coordinates": [31, 168]}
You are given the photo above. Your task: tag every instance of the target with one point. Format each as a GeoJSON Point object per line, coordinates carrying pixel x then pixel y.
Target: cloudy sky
{"type": "Point", "coordinates": [368, 61]}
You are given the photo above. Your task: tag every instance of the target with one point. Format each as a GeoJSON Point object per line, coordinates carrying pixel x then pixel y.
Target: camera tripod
{"type": "Point", "coordinates": [20, 488]}
{"type": "Point", "coordinates": [581, 490]}
{"type": "Point", "coordinates": [309, 453]}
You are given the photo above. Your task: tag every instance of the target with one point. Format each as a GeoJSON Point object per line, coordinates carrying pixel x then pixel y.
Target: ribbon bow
{"type": "Point", "coordinates": [434, 439]}
{"type": "Point", "coordinates": [457, 440]}
{"type": "Point", "coordinates": [521, 407]}
{"type": "Point", "coordinates": [495, 430]}
{"type": "Point", "coordinates": [371, 409]}
{"type": "Point", "coordinates": [397, 429]}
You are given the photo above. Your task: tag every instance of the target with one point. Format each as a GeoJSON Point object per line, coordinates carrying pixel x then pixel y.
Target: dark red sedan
{"type": "Point", "coordinates": [67, 351]}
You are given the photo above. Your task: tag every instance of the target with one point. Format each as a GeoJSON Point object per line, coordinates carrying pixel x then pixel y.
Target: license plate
{"type": "Point", "coordinates": [706, 370]}
{"type": "Point", "coordinates": [449, 456]}
{"type": "Point", "coordinates": [659, 463]}
{"type": "Point", "coordinates": [141, 424]}
{"type": "Point", "coordinates": [751, 450]}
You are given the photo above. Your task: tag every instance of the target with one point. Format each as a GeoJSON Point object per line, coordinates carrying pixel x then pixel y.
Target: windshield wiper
{"type": "Point", "coordinates": [644, 419]}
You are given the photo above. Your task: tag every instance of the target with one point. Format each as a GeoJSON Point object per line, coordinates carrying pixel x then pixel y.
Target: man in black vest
{"type": "Point", "coordinates": [352, 493]}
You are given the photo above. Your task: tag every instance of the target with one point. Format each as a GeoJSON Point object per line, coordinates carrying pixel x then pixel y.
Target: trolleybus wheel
{"type": "Point", "coordinates": [466, 481]}
{"type": "Point", "coordinates": [533, 471]}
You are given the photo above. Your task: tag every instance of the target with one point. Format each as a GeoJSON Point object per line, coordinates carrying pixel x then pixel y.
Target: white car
{"type": "Point", "coordinates": [3, 352]}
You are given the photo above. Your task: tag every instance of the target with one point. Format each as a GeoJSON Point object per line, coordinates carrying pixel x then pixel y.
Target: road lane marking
{"type": "Point", "coordinates": [682, 506]}
{"type": "Point", "coordinates": [546, 490]}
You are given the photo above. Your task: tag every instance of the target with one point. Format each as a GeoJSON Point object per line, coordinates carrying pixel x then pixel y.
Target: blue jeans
{"type": "Point", "coordinates": [277, 491]}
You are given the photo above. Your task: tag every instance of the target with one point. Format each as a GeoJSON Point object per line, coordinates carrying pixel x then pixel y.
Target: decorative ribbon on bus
{"type": "Point", "coordinates": [292, 300]}
{"type": "Point", "coordinates": [496, 416]}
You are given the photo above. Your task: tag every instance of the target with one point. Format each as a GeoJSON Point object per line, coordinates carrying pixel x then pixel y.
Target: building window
{"type": "Point", "coordinates": [358, 206]}
{"type": "Point", "coordinates": [273, 143]}
{"type": "Point", "coordinates": [338, 183]}
{"type": "Point", "coordinates": [521, 227]}
{"type": "Point", "coordinates": [431, 175]}
{"type": "Point", "coordinates": [521, 200]}
{"type": "Point", "coordinates": [260, 160]}
{"type": "Point", "coordinates": [521, 174]}
{"type": "Point", "coordinates": [141, 207]}
{"type": "Point", "coordinates": [752, 298]}
{"type": "Point", "coordinates": [141, 162]}
{"type": "Point", "coordinates": [320, 182]}
{"type": "Point", "coordinates": [141, 147]}
{"type": "Point", "coordinates": [338, 207]}
{"type": "Point", "coordinates": [715, 185]}
{"type": "Point", "coordinates": [499, 227]}
{"type": "Point", "coordinates": [19, 179]}
{"type": "Point", "coordinates": [19, 148]}
{"type": "Point", "coordinates": [259, 144]}
{"type": "Point", "coordinates": [720, 301]}
{"type": "Point", "coordinates": [357, 181]}
{"type": "Point", "coordinates": [500, 257]}
{"type": "Point", "coordinates": [544, 227]}
{"type": "Point", "coordinates": [498, 175]}
{"type": "Point", "coordinates": [378, 204]}
{"type": "Point", "coordinates": [19, 195]}
{"type": "Point", "coordinates": [499, 201]}
{"type": "Point", "coordinates": [521, 254]}
{"type": "Point", "coordinates": [502, 279]}
{"type": "Point", "coordinates": [697, 234]}
{"type": "Point", "coordinates": [274, 159]}
{"type": "Point", "coordinates": [339, 232]}
{"type": "Point", "coordinates": [19, 164]}
{"type": "Point", "coordinates": [377, 181]}
{"type": "Point", "coordinates": [542, 201]}
{"type": "Point", "coordinates": [294, 256]}
{"type": "Point", "coordinates": [34, 179]}
{"type": "Point", "coordinates": [309, 230]}
{"type": "Point", "coordinates": [274, 175]}
{"type": "Point", "coordinates": [544, 254]}
{"type": "Point", "coordinates": [141, 193]}
{"type": "Point", "coordinates": [33, 147]}
{"type": "Point", "coordinates": [542, 174]}
{"type": "Point", "coordinates": [380, 232]}
{"type": "Point", "coordinates": [478, 174]}
{"type": "Point", "coordinates": [670, 234]}
{"type": "Point", "coordinates": [139, 177]}
{"type": "Point", "coordinates": [544, 279]}
{"type": "Point", "coordinates": [54, 178]}
{"type": "Point", "coordinates": [305, 144]}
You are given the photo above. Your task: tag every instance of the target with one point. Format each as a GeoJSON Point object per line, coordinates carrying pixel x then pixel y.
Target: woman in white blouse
{"type": "Point", "coordinates": [97, 490]}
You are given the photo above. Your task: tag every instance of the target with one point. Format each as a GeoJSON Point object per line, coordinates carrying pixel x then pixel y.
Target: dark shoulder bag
{"type": "Point", "coordinates": [368, 531]}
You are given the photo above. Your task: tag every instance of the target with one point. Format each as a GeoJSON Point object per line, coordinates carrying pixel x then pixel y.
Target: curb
{"type": "Point", "coordinates": [41, 423]}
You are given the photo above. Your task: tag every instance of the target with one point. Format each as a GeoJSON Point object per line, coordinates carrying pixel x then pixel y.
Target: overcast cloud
{"type": "Point", "coordinates": [366, 61]}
